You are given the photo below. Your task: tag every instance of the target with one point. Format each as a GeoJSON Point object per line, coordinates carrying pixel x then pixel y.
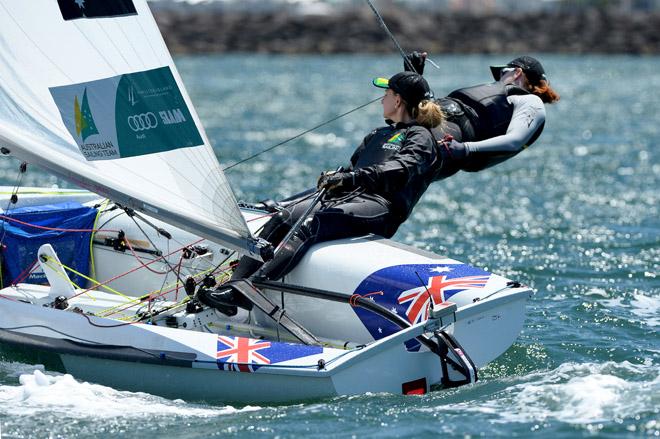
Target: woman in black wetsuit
{"type": "Point", "coordinates": [492, 122]}
{"type": "Point", "coordinates": [389, 172]}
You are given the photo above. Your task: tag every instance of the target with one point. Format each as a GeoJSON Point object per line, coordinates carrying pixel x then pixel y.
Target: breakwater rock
{"type": "Point", "coordinates": [193, 30]}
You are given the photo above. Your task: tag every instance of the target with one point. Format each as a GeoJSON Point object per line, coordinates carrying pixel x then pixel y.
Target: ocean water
{"type": "Point", "coordinates": [576, 217]}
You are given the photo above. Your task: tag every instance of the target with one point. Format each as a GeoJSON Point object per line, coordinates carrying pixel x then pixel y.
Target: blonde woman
{"type": "Point", "coordinates": [388, 173]}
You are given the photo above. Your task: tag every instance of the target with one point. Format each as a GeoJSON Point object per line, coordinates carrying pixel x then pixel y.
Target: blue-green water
{"type": "Point", "coordinates": [576, 217]}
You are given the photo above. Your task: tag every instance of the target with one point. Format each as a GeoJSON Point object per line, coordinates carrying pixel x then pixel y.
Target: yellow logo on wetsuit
{"type": "Point", "coordinates": [394, 142]}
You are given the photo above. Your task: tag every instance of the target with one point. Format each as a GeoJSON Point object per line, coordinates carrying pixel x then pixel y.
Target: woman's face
{"type": "Point", "coordinates": [391, 102]}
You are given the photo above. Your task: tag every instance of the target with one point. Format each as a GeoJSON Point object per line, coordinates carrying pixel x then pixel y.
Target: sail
{"type": "Point", "coordinates": [89, 91]}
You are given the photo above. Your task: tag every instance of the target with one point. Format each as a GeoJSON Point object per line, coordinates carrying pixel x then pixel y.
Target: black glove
{"type": "Point", "coordinates": [334, 180]}
{"type": "Point", "coordinates": [417, 60]}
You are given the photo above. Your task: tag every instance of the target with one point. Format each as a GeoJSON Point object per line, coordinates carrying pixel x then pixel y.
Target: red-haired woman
{"type": "Point", "coordinates": [490, 123]}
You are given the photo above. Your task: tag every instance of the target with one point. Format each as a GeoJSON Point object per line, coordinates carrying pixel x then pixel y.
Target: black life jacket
{"type": "Point", "coordinates": [382, 144]}
{"type": "Point", "coordinates": [486, 109]}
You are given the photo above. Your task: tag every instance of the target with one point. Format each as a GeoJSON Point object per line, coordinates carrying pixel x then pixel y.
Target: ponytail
{"type": "Point", "coordinates": [543, 90]}
{"type": "Point", "coordinates": [428, 114]}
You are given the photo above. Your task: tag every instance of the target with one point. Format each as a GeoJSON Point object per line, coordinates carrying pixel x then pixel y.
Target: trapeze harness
{"type": "Point", "coordinates": [474, 114]}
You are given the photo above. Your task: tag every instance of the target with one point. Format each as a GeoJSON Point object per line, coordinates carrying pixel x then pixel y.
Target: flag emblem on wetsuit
{"type": "Point", "coordinates": [241, 354]}
{"type": "Point", "coordinates": [395, 138]}
{"type": "Point", "coordinates": [418, 298]}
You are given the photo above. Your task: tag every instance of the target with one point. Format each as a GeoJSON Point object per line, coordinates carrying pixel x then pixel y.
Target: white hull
{"type": "Point", "coordinates": [185, 359]}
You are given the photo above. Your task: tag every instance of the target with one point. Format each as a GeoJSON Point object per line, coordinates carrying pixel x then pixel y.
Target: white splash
{"type": "Point", "coordinates": [646, 307]}
{"type": "Point", "coordinates": [575, 394]}
{"type": "Point", "coordinates": [39, 392]}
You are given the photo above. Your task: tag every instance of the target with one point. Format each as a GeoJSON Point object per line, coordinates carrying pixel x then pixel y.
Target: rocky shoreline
{"type": "Point", "coordinates": [588, 31]}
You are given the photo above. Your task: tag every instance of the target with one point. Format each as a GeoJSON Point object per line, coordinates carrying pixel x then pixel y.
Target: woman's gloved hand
{"type": "Point", "coordinates": [417, 60]}
{"type": "Point", "coordinates": [333, 180]}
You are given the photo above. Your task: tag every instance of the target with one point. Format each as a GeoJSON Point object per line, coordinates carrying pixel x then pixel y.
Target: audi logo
{"type": "Point", "coordinates": [141, 122]}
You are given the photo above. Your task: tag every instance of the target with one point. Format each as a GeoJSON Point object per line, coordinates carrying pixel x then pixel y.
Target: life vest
{"type": "Point", "coordinates": [382, 144]}
{"type": "Point", "coordinates": [486, 108]}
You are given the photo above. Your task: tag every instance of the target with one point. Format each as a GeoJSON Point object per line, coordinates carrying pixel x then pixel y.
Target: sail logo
{"type": "Point", "coordinates": [173, 116]}
{"type": "Point", "coordinates": [142, 122]}
{"type": "Point", "coordinates": [131, 96]}
{"type": "Point", "coordinates": [149, 121]}
{"type": "Point", "coordinates": [128, 115]}
{"type": "Point", "coordinates": [84, 121]}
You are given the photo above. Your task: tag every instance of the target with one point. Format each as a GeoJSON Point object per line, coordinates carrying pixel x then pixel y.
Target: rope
{"type": "Point", "coordinates": [25, 273]}
{"type": "Point", "coordinates": [396, 43]}
{"type": "Point", "coordinates": [100, 210]}
{"type": "Point", "coordinates": [54, 229]}
{"type": "Point", "coordinates": [49, 262]}
{"type": "Point", "coordinates": [112, 290]}
{"type": "Point", "coordinates": [12, 199]}
{"type": "Point", "coordinates": [300, 135]}
{"type": "Point", "coordinates": [355, 297]}
{"type": "Point", "coordinates": [387, 31]}
{"type": "Point", "coordinates": [103, 284]}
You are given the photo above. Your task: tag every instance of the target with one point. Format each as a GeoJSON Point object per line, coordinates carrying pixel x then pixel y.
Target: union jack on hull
{"type": "Point", "coordinates": [240, 354]}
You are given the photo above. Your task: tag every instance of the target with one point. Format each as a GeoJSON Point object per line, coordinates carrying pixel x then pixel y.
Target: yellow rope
{"type": "Point", "coordinates": [112, 290]}
{"type": "Point", "coordinates": [129, 300]}
{"type": "Point", "coordinates": [61, 275]}
{"type": "Point", "coordinates": [91, 238]}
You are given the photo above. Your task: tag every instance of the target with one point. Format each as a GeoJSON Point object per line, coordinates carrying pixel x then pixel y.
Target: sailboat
{"type": "Point", "coordinates": [112, 280]}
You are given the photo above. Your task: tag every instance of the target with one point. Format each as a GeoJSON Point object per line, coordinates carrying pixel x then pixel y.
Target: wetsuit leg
{"type": "Point", "coordinates": [358, 216]}
{"type": "Point", "coordinates": [274, 231]}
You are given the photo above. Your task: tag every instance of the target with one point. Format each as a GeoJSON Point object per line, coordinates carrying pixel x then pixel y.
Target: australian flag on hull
{"type": "Point", "coordinates": [407, 290]}
{"type": "Point", "coordinates": [241, 354]}
{"type": "Point", "coordinates": [73, 9]}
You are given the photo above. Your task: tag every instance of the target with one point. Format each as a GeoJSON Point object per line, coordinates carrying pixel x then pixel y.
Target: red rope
{"type": "Point", "coordinates": [262, 216]}
{"type": "Point", "coordinates": [25, 273]}
{"type": "Point", "coordinates": [353, 299]}
{"type": "Point", "coordinates": [135, 269]}
{"type": "Point", "coordinates": [152, 297]}
{"type": "Point", "coordinates": [56, 229]}
{"type": "Point", "coordinates": [135, 255]}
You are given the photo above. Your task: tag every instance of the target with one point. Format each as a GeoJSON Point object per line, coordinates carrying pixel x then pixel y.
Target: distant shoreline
{"type": "Point", "coordinates": [588, 31]}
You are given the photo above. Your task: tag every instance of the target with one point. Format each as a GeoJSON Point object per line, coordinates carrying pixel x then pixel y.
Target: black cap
{"type": "Point", "coordinates": [530, 66]}
{"type": "Point", "coordinates": [412, 87]}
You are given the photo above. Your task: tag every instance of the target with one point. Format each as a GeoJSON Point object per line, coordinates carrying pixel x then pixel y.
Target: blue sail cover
{"type": "Point", "coordinates": [22, 241]}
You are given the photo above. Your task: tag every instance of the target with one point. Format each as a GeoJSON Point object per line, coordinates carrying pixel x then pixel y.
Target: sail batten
{"type": "Point", "coordinates": [89, 91]}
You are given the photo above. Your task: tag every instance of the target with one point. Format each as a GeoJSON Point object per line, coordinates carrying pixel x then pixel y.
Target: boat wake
{"type": "Point", "coordinates": [587, 393]}
{"type": "Point", "coordinates": [40, 393]}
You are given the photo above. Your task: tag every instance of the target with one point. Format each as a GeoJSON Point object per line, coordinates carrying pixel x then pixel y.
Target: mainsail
{"type": "Point", "coordinates": [89, 91]}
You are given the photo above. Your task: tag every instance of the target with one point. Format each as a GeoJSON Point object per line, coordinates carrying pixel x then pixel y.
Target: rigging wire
{"type": "Point", "coordinates": [396, 43]}
{"type": "Point", "coordinates": [387, 31]}
{"type": "Point", "coordinates": [383, 25]}
{"type": "Point", "coordinates": [300, 134]}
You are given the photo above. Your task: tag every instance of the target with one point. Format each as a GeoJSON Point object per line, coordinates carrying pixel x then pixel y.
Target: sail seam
{"type": "Point", "coordinates": [35, 44]}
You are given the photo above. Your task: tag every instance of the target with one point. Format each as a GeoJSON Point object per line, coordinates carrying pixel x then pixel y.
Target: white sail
{"type": "Point", "coordinates": [89, 91]}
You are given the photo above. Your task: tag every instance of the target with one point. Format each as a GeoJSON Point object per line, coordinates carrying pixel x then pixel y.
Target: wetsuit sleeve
{"type": "Point", "coordinates": [415, 158]}
{"type": "Point", "coordinates": [528, 116]}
